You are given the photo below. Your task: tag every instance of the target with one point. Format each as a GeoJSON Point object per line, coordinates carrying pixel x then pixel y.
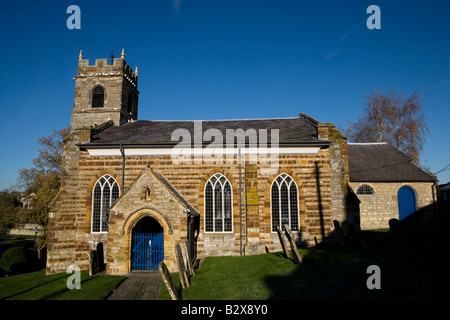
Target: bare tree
{"type": "Point", "coordinates": [393, 118]}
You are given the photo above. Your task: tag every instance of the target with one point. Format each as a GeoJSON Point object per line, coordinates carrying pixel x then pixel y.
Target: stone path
{"type": "Point", "coordinates": [138, 286]}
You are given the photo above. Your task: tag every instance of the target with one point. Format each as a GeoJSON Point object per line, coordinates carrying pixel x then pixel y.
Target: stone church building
{"type": "Point", "coordinates": [131, 189]}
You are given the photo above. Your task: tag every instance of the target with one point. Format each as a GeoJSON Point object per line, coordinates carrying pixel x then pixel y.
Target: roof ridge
{"type": "Point", "coordinates": [366, 143]}
{"type": "Point", "coordinates": [217, 120]}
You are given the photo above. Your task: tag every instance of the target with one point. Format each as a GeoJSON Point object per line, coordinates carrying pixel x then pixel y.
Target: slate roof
{"type": "Point", "coordinates": [380, 162]}
{"type": "Point", "coordinates": [444, 187]}
{"type": "Point", "coordinates": [142, 132]}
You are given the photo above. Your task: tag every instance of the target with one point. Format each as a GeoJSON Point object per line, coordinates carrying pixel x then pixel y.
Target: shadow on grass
{"type": "Point", "coordinates": [57, 294]}
{"type": "Point", "coordinates": [37, 286]}
{"type": "Point", "coordinates": [330, 272]}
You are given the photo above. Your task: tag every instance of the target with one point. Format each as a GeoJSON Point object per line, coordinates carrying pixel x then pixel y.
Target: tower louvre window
{"type": "Point", "coordinates": [98, 97]}
{"type": "Point", "coordinates": [130, 103]}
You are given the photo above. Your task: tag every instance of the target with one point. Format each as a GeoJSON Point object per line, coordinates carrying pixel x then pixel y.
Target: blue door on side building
{"type": "Point", "coordinates": [147, 251]}
{"type": "Point", "coordinates": [406, 202]}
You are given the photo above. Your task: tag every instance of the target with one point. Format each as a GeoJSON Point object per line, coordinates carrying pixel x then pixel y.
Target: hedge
{"type": "Point", "coordinates": [14, 260]}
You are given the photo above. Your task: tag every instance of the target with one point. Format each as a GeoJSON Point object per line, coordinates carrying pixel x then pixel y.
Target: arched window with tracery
{"type": "Point", "coordinates": [98, 97]}
{"type": "Point", "coordinates": [284, 203]}
{"type": "Point", "coordinates": [218, 204]}
{"type": "Point", "coordinates": [105, 193]}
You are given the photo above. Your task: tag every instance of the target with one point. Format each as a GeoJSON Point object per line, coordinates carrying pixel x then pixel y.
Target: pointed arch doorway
{"type": "Point", "coordinates": [147, 246]}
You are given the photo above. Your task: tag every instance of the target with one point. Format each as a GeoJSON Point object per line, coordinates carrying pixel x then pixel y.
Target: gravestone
{"type": "Point", "coordinates": [357, 236]}
{"type": "Point", "coordinates": [339, 233]}
{"type": "Point", "coordinates": [93, 262]}
{"type": "Point", "coordinates": [254, 248]}
{"type": "Point", "coordinates": [90, 263]}
{"type": "Point", "coordinates": [168, 281]}
{"type": "Point", "coordinates": [188, 260]}
{"type": "Point", "coordinates": [283, 242]}
{"type": "Point", "coordinates": [181, 269]}
{"type": "Point", "coordinates": [399, 236]}
{"type": "Point", "coordinates": [100, 258]}
{"type": "Point", "coordinates": [297, 257]}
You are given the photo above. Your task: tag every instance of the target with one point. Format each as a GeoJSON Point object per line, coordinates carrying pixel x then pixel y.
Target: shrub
{"type": "Point", "coordinates": [14, 260]}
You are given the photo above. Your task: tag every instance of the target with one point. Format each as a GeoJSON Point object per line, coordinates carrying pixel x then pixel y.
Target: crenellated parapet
{"type": "Point", "coordinates": [101, 68]}
{"type": "Point", "coordinates": [104, 92]}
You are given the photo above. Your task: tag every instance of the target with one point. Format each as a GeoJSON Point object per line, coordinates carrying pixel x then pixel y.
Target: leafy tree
{"type": "Point", "coordinates": [393, 118]}
{"type": "Point", "coordinates": [9, 208]}
{"type": "Point", "coordinates": [44, 180]}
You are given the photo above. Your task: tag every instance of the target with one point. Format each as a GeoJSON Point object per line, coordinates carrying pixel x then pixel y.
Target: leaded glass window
{"type": "Point", "coordinates": [218, 204]}
{"type": "Point", "coordinates": [365, 189]}
{"type": "Point", "coordinates": [284, 203]}
{"type": "Point", "coordinates": [105, 193]}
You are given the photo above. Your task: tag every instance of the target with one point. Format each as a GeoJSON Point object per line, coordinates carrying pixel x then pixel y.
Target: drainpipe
{"type": "Point", "coordinates": [240, 201]}
{"type": "Point", "coordinates": [434, 191]}
{"type": "Point", "coordinates": [123, 166]}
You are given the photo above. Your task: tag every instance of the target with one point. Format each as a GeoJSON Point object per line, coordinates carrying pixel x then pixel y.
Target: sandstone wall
{"type": "Point", "coordinates": [377, 209]}
{"type": "Point", "coordinates": [70, 237]}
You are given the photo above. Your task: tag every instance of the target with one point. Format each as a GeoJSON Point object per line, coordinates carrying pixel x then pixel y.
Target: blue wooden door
{"type": "Point", "coordinates": [147, 251]}
{"type": "Point", "coordinates": [406, 202]}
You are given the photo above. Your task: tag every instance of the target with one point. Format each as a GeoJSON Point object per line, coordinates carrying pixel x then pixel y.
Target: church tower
{"type": "Point", "coordinates": [104, 92]}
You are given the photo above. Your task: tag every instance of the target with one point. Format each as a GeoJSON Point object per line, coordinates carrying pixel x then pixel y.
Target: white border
{"type": "Point", "coordinates": [115, 152]}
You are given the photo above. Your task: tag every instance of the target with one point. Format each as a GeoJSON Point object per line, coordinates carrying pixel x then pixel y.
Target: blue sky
{"type": "Point", "coordinates": [224, 60]}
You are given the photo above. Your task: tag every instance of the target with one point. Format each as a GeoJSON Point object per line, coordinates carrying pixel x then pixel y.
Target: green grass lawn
{"type": "Point", "coordinates": [328, 272]}
{"type": "Point", "coordinates": [324, 274]}
{"type": "Point", "coordinates": [37, 286]}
